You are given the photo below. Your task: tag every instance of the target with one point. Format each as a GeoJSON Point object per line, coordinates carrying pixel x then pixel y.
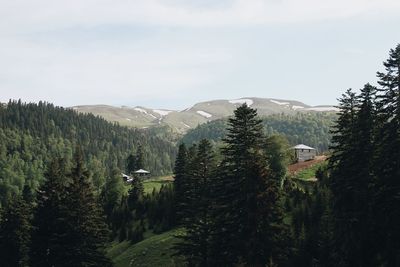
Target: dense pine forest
{"type": "Point", "coordinates": [232, 201]}
{"type": "Point", "coordinates": [33, 134]}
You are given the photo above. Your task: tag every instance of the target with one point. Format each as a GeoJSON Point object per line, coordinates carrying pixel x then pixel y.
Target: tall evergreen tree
{"type": "Point", "coordinates": [364, 148]}
{"type": "Point", "coordinates": [49, 225]}
{"type": "Point", "coordinates": [88, 231]}
{"type": "Point", "coordinates": [351, 177]}
{"type": "Point", "coordinates": [131, 164]}
{"type": "Point", "coordinates": [388, 160]}
{"type": "Point", "coordinates": [249, 224]}
{"type": "Point", "coordinates": [140, 158]}
{"type": "Point", "coordinates": [112, 195]}
{"type": "Point", "coordinates": [198, 223]}
{"type": "Point", "coordinates": [136, 192]}
{"type": "Point", "coordinates": [180, 183]}
{"type": "Point", "coordinates": [15, 230]}
{"type": "Point", "coordinates": [342, 186]}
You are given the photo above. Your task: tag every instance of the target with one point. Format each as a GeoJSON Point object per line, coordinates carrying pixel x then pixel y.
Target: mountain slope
{"type": "Point", "coordinates": [182, 121]}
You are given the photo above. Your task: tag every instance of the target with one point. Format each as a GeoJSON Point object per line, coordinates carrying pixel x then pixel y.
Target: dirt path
{"type": "Point", "coordinates": [304, 165]}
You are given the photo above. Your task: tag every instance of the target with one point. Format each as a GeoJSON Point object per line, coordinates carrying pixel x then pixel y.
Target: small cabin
{"type": "Point", "coordinates": [142, 173]}
{"type": "Point", "coordinates": [304, 153]}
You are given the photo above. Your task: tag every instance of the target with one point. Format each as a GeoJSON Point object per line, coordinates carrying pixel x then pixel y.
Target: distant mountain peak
{"type": "Point", "coordinates": [202, 112]}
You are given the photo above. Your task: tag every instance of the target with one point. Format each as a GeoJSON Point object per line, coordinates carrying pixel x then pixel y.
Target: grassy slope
{"type": "Point", "coordinates": [154, 251]}
{"type": "Point", "coordinates": [155, 183]}
{"type": "Point", "coordinates": [309, 173]}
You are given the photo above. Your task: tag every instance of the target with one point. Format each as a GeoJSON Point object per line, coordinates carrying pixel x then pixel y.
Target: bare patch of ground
{"type": "Point", "coordinates": [294, 168]}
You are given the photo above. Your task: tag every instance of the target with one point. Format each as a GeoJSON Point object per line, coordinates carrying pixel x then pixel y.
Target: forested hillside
{"type": "Point", "coordinates": [312, 129]}
{"type": "Point", "coordinates": [32, 134]}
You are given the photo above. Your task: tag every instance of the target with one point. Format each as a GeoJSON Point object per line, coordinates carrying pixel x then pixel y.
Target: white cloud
{"type": "Point", "coordinates": [49, 14]}
{"type": "Point", "coordinates": [124, 72]}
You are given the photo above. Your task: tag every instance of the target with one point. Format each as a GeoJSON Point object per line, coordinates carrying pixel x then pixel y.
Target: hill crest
{"type": "Point", "coordinates": [199, 113]}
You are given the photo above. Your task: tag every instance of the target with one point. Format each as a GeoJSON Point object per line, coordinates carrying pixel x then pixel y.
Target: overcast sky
{"type": "Point", "coordinates": [173, 53]}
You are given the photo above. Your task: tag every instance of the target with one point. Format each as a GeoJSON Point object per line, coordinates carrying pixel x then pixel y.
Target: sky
{"type": "Point", "coordinates": [173, 53]}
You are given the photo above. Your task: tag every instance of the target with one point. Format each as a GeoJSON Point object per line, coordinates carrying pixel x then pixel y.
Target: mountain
{"type": "Point", "coordinates": [200, 113]}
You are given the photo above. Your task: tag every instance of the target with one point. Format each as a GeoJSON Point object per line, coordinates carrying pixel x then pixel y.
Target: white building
{"type": "Point", "coordinates": [304, 153]}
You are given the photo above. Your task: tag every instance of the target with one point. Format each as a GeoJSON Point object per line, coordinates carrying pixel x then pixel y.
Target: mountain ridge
{"type": "Point", "coordinates": [199, 113]}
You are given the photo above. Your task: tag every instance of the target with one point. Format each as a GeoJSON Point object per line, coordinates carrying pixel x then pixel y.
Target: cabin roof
{"type": "Point", "coordinates": [141, 171]}
{"type": "Point", "coordinates": [301, 146]}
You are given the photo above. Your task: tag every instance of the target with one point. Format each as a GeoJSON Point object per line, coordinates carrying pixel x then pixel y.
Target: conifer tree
{"type": "Point", "coordinates": [364, 148]}
{"type": "Point", "coordinates": [135, 193]}
{"type": "Point", "coordinates": [180, 182]}
{"type": "Point", "coordinates": [249, 227]}
{"type": "Point", "coordinates": [15, 228]}
{"type": "Point", "coordinates": [341, 163]}
{"type": "Point", "coordinates": [87, 230]}
{"type": "Point", "coordinates": [131, 164]}
{"type": "Point", "coordinates": [140, 158]}
{"type": "Point", "coordinates": [387, 172]}
{"type": "Point", "coordinates": [49, 228]}
{"type": "Point", "coordinates": [198, 223]}
{"type": "Point", "coordinates": [352, 177]}
{"type": "Point", "coordinates": [112, 195]}
{"type": "Point", "coordinates": [188, 182]}
{"type": "Point", "coordinates": [121, 219]}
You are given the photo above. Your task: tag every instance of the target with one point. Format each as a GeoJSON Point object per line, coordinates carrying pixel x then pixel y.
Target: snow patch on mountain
{"type": "Point", "coordinates": [162, 112]}
{"type": "Point", "coordinates": [280, 103]}
{"type": "Point", "coordinates": [204, 114]}
{"type": "Point", "coordinates": [249, 102]}
{"type": "Point", "coordinates": [297, 107]}
{"type": "Point", "coordinates": [141, 110]}
{"type": "Point", "coordinates": [145, 112]}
